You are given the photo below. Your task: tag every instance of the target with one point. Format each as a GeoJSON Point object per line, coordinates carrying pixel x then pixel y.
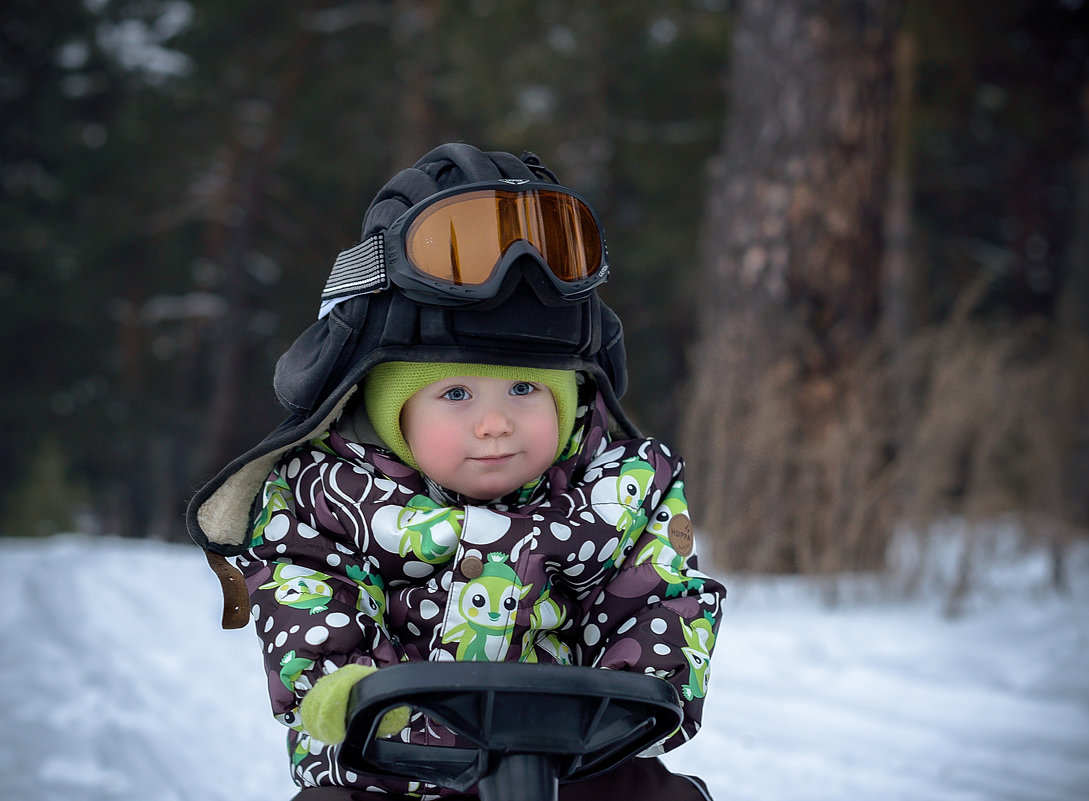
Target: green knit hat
{"type": "Point", "coordinates": [388, 387]}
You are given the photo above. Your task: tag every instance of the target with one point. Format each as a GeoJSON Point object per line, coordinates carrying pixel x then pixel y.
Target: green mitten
{"type": "Point", "coordinates": [324, 709]}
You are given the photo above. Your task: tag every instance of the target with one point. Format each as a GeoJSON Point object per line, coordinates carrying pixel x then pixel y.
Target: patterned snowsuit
{"type": "Point", "coordinates": [358, 558]}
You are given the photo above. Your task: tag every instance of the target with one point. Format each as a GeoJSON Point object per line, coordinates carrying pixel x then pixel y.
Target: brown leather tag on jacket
{"type": "Point", "coordinates": [680, 534]}
{"type": "Point", "coordinates": [236, 598]}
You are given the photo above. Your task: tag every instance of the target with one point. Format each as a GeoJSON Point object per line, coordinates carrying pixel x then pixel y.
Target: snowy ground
{"type": "Point", "coordinates": [118, 684]}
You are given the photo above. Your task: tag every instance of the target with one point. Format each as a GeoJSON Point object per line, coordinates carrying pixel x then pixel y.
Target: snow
{"type": "Point", "coordinates": [119, 684]}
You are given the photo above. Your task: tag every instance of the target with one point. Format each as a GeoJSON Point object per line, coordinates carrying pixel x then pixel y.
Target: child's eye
{"type": "Point", "coordinates": [523, 388]}
{"type": "Point", "coordinates": [456, 394]}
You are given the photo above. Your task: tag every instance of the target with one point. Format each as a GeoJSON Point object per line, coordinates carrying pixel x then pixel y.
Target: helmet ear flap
{"type": "Point", "coordinates": [304, 370]}
{"type": "Point", "coordinates": [612, 356]}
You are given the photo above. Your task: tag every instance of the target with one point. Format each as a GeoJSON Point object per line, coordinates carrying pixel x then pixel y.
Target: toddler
{"type": "Point", "coordinates": [458, 479]}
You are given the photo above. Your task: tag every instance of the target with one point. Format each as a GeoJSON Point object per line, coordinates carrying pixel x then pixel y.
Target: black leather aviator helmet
{"type": "Point", "coordinates": [526, 322]}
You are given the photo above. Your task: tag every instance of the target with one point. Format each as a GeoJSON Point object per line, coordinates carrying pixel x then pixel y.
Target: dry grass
{"type": "Point", "coordinates": [797, 471]}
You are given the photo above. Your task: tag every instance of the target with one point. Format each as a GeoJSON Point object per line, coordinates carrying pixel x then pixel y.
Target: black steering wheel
{"type": "Point", "coordinates": [529, 727]}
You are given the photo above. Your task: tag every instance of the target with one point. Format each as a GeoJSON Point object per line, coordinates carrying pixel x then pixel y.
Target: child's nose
{"type": "Point", "coordinates": [494, 423]}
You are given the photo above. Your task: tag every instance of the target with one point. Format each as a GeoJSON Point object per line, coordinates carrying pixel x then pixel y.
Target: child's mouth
{"type": "Point", "coordinates": [492, 460]}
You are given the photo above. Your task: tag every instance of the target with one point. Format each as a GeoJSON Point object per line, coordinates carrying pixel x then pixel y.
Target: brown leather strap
{"type": "Point", "coordinates": [236, 599]}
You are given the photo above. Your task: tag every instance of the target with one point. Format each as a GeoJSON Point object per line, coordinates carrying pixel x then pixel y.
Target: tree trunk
{"type": "Point", "coordinates": [782, 455]}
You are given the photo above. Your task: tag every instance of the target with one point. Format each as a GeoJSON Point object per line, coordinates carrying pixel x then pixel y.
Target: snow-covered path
{"type": "Point", "coordinates": [897, 703]}
{"type": "Point", "coordinates": [118, 684]}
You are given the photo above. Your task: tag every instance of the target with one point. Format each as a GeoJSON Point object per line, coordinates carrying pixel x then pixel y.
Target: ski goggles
{"type": "Point", "coordinates": [457, 246]}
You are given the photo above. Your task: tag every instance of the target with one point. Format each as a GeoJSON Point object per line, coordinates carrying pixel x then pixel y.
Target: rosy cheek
{"type": "Point", "coordinates": [432, 437]}
{"type": "Point", "coordinates": [443, 444]}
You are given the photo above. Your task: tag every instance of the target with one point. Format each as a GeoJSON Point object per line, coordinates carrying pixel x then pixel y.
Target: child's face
{"type": "Point", "coordinates": [481, 437]}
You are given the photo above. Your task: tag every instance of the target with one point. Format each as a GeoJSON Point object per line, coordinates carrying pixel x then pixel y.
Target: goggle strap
{"type": "Point", "coordinates": [357, 270]}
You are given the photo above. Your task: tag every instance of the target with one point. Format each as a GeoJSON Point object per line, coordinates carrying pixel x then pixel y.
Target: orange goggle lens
{"type": "Point", "coordinates": [462, 239]}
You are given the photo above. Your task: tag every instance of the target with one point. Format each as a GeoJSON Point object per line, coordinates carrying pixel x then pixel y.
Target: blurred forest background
{"type": "Point", "coordinates": [850, 239]}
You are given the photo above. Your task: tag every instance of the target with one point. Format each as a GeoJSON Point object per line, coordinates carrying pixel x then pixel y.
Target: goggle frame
{"type": "Point", "coordinates": [403, 272]}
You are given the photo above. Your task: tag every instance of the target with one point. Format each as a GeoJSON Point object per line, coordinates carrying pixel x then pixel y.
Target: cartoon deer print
{"type": "Point", "coordinates": [487, 605]}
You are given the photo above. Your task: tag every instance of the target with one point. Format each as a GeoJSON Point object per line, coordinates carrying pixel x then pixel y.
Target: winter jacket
{"type": "Point", "coordinates": [356, 557]}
